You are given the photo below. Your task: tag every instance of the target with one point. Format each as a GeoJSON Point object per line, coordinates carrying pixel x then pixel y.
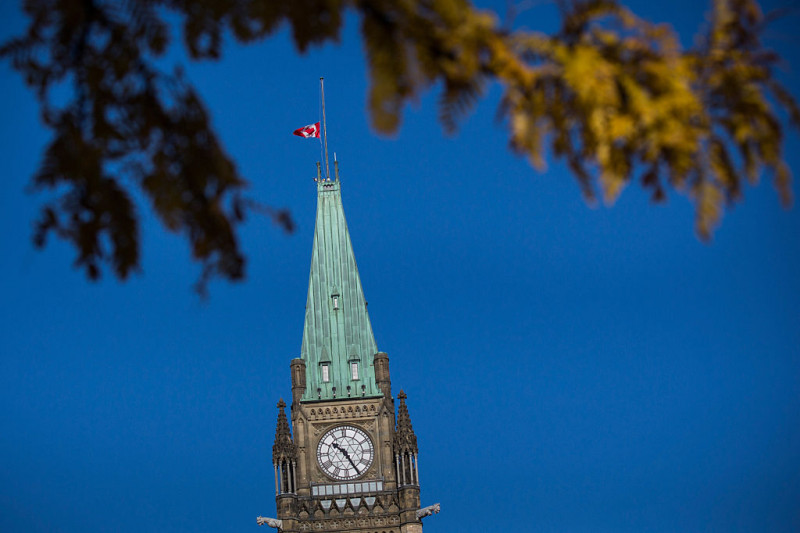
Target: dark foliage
{"type": "Point", "coordinates": [614, 95]}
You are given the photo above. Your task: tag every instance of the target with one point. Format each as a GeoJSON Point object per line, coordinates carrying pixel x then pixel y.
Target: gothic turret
{"type": "Point", "coordinates": [405, 445]}
{"type": "Point", "coordinates": [284, 454]}
{"type": "Point", "coordinates": [405, 441]}
{"type": "Point", "coordinates": [405, 453]}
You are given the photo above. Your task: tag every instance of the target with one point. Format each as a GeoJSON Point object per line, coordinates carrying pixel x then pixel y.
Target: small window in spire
{"type": "Point", "coordinates": [354, 370]}
{"type": "Point", "coordinates": [326, 375]}
{"type": "Point", "coordinates": [335, 299]}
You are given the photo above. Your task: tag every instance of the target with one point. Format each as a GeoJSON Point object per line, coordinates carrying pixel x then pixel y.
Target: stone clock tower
{"type": "Point", "coordinates": [348, 461]}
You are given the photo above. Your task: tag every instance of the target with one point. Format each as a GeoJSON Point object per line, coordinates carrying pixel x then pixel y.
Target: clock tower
{"type": "Point", "coordinates": [347, 462]}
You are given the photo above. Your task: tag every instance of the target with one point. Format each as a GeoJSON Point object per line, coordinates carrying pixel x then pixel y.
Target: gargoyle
{"type": "Point", "coordinates": [427, 511]}
{"type": "Point", "coordinates": [271, 522]}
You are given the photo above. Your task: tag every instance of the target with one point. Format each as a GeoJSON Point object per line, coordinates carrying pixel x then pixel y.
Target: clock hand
{"type": "Point", "coordinates": [347, 455]}
{"type": "Point", "coordinates": [351, 462]}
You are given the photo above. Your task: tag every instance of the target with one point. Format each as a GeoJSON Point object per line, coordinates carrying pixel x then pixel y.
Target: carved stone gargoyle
{"type": "Point", "coordinates": [271, 522]}
{"type": "Point", "coordinates": [427, 511]}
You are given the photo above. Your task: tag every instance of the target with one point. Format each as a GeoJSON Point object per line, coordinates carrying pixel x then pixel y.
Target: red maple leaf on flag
{"type": "Point", "coordinates": [312, 130]}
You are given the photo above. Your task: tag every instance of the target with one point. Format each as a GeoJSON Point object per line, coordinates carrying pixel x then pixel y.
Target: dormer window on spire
{"type": "Point", "coordinates": [335, 299]}
{"type": "Point", "coordinates": [354, 361]}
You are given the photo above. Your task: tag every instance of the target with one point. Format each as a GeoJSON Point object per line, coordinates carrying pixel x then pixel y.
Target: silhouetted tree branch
{"type": "Point", "coordinates": [615, 96]}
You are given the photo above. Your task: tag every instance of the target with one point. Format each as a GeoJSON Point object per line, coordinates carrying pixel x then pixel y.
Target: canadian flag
{"type": "Point", "coordinates": [312, 130]}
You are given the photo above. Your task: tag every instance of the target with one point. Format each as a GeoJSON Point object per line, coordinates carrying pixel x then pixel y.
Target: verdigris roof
{"type": "Point", "coordinates": [337, 331]}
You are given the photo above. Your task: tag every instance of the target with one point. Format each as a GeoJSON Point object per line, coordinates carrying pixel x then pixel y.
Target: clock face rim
{"type": "Point", "coordinates": [366, 442]}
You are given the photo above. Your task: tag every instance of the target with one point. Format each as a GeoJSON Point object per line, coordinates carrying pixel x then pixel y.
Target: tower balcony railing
{"type": "Point", "coordinates": [346, 488]}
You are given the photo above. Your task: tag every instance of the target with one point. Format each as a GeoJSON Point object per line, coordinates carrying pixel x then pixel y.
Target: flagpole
{"type": "Point", "coordinates": [324, 128]}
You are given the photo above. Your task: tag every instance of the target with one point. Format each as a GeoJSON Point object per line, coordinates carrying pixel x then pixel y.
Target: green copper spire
{"type": "Point", "coordinates": [338, 345]}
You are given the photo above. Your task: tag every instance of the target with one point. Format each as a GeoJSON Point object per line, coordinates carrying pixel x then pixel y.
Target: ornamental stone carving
{"type": "Point", "coordinates": [338, 524]}
{"type": "Point", "coordinates": [427, 511]}
{"type": "Point", "coordinates": [271, 522]}
{"type": "Point", "coordinates": [343, 412]}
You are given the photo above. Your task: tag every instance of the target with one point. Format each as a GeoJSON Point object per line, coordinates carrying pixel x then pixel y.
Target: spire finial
{"type": "Point", "coordinates": [324, 128]}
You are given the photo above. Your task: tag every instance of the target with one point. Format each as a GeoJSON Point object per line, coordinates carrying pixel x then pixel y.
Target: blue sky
{"type": "Point", "coordinates": [568, 368]}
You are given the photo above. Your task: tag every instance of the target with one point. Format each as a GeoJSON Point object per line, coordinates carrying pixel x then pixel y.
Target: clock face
{"type": "Point", "coordinates": [345, 452]}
